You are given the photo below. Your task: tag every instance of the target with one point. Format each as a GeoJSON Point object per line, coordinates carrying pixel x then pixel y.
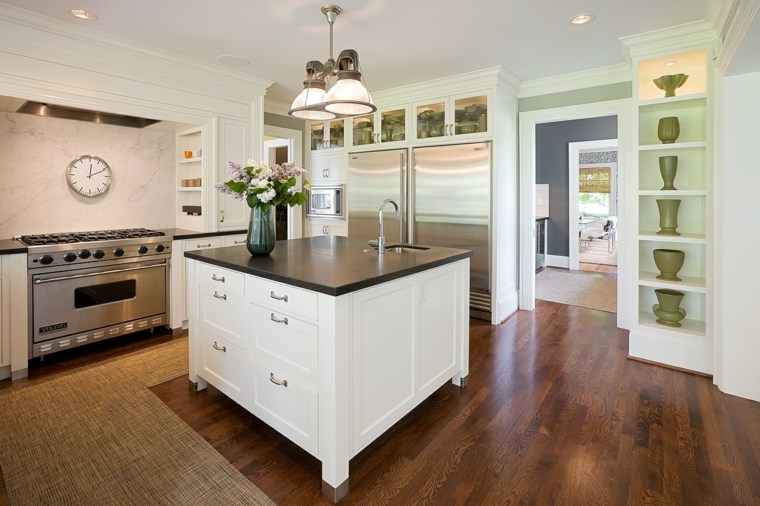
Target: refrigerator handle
{"type": "Point", "coordinates": [410, 190]}
{"type": "Point", "coordinates": [402, 185]}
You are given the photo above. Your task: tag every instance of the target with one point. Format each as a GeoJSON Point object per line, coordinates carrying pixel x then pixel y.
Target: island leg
{"type": "Point", "coordinates": [334, 394]}
{"type": "Point", "coordinates": [463, 321]}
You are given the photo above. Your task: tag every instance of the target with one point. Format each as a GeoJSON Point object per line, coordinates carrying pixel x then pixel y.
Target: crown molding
{"type": "Point", "coordinates": [31, 35]}
{"type": "Point", "coordinates": [671, 40]}
{"type": "Point", "coordinates": [736, 24]}
{"type": "Point", "coordinates": [276, 107]}
{"type": "Point", "coordinates": [613, 74]}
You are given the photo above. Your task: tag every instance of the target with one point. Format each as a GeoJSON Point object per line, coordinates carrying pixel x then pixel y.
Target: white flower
{"type": "Point", "coordinates": [267, 195]}
{"type": "Point", "coordinates": [263, 183]}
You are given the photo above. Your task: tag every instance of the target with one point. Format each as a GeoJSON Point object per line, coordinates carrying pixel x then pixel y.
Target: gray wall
{"type": "Point", "coordinates": [552, 141]}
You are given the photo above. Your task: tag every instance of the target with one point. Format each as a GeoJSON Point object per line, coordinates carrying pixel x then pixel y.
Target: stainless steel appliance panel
{"type": "Point", "coordinates": [373, 177]}
{"type": "Point", "coordinates": [81, 300]}
{"type": "Point", "coordinates": [452, 202]}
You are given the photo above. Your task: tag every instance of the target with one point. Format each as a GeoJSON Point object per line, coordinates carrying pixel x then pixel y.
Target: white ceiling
{"type": "Point", "coordinates": [399, 41]}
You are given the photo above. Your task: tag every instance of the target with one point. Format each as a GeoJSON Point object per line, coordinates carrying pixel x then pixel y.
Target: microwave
{"type": "Point", "coordinates": [325, 201]}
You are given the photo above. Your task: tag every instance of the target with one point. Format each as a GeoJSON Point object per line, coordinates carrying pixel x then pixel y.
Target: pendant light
{"type": "Point", "coordinates": [349, 95]}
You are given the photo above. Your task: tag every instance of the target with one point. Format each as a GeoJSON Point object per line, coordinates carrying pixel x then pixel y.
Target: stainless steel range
{"type": "Point", "coordinates": [90, 286]}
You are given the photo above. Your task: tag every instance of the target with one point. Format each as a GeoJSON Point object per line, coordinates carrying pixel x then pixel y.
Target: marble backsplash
{"type": "Point", "coordinates": [34, 195]}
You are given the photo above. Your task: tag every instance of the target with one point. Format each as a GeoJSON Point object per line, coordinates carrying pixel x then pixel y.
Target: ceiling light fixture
{"type": "Point", "coordinates": [79, 13]}
{"type": "Point", "coordinates": [670, 63]}
{"type": "Point", "coordinates": [347, 97]}
{"type": "Point", "coordinates": [581, 19]}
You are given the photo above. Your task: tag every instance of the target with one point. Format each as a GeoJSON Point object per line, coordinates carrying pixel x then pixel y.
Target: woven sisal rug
{"type": "Point", "coordinates": [583, 289]}
{"type": "Point", "coordinates": [98, 436]}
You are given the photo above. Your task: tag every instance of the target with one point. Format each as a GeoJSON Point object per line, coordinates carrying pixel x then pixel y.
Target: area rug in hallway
{"type": "Point", "coordinates": [584, 289]}
{"type": "Point", "coordinates": [98, 435]}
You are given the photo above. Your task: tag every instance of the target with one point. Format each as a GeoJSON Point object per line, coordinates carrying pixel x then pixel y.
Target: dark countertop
{"type": "Point", "coordinates": [329, 264]}
{"type": "Point", "coordinates": [10, 246]}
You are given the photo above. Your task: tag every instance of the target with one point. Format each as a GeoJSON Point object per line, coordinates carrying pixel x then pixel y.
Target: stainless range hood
{"type": "Point", "coordinates": [105, 118]}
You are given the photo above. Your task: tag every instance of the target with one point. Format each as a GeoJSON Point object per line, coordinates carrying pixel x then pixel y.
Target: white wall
{"type": "Point", "coordinates": [740, 228]}
{"type": "Point", "coordinates": [34, 195]}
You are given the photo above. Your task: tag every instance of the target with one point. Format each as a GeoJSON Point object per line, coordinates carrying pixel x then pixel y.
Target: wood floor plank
{"type": "Point", "coordinates": [553, 413]}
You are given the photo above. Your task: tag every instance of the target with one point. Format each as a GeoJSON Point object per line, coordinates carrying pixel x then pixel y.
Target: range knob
{"type": "Point", "coordinates": [160, 248]}
{"type": "Point", "coordinates": [118, 252]}
{"type": "Point", "coordinates": [69, 257]}
{"type": "Point", "coordinates": [46, 260]}
{"type": "Point", "coordinates": [142, 249]}
{"type": "Point", "coordinates": [85, 253]}
{"type": "Point", "coordinates": [99, 253]}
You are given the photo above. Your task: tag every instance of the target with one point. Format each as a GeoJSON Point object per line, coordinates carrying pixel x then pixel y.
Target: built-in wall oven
{"type": "Point", "coordinates": [92, 286]}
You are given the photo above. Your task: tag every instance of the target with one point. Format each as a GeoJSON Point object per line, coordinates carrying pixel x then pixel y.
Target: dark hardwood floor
{"type": "Point", "coordinates": [553, 413]}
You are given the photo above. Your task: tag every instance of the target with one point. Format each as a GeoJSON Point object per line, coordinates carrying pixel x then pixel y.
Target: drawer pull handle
{"type": "Point", "coordinates": [223, 297]}
{"type": "Point", "coordinates": [203, 245]}
{"type": "Point", "coordinates": [274, 319]}
{"type": "Point", "coordinates": [283, 383]}
{"type": "Point", "coordinates": [223, 348]}
{"type": "Point", "coordinates": [241, 241]}
{"type": "Point", "coordinates": [273, 295]}
{"type": "Point", "coordinates": [217, 278]}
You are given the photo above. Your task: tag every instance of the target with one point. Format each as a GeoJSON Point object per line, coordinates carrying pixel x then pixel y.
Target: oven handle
{"type": "Point", "coordinates": [66, 278]}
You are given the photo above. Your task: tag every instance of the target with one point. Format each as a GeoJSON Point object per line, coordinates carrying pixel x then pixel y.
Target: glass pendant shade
{"type": "Point", "coordinates": [349, 97]}
{"type": "Point", "coordinates": [313, 94]}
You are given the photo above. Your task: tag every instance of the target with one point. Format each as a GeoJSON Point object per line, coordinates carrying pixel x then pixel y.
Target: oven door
{"type": "Point", "coordinates": [68, 302]}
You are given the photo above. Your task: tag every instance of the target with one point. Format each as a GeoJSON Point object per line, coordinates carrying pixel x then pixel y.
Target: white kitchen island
{"type": "Point", "coordinates": [327, 341]}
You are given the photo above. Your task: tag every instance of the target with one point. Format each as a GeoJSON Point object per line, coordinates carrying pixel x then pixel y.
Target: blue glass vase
{"type": "Point", "coordinates": [260, 238]}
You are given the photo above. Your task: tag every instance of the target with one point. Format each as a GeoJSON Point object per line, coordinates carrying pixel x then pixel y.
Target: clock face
{"type": "Point", "coordinates": [89, 176]}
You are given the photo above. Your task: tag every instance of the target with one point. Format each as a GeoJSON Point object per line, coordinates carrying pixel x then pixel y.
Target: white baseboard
{"type": "Point", "coordinates": [557, 261]}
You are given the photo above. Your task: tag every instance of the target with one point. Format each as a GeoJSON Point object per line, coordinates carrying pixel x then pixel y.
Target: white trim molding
{"type": "Point", "coordinates": [602, 76]}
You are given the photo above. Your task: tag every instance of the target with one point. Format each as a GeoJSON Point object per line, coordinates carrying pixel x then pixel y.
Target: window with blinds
{"type": "Point", "coordinates": [594, 179]}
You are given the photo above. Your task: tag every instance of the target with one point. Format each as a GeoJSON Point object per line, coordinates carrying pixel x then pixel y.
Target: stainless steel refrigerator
{"type": "Point", "coordinates": [444, 194]}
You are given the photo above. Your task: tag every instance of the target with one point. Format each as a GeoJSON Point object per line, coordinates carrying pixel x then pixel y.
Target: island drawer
{"type": "Point", "coordinates": [230, 281]}
{"type": "Point", "coordinates": [285, 342]}
{"type": "Point", "coordinates": [222, 366]}
{"type": "Point", "coordinates": [284, 403]}
{"type": "Point", "coordinates": [223, 314]}
{"type": "Point", "coordinates": [281, 297]}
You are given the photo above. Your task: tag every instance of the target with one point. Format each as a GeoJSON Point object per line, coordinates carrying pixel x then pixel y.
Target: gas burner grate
{"type": "Point", "coordinates": [98, 235]}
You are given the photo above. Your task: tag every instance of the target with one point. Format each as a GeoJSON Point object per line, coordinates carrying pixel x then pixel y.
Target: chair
{"type": "Point", "coordinates": [608, 232]}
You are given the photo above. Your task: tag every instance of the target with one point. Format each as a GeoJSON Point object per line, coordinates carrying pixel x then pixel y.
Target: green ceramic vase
{"type": "Point", "coordinates": [669, 83]}
{"type": "Point", "coordinates": [668, 311]}
{"type": "Point", "coordinates": [668, 216]}
{"type": "Point", "coordinates": [260, 238]}
{"type": "Point", "coordinates": [669, 262]}
{"type": "Point", "coordinates": [668, 129]}
{"type": "Point", "coordinates": [668, 169]}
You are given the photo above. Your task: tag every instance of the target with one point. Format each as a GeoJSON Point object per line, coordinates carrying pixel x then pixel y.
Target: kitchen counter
{"type": "Point", "coordinates": [10, 246]}
{"type": "Point", "coordinates": [332, 265]}
{"type": "Point", "coordinates": [180, 233]}
{"type": "Point", "coordinates": [326, 341]}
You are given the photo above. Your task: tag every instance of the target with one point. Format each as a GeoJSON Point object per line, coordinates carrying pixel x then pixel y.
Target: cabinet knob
{"type": "Point", "coordinates": [217, 278]}
{"type": "Point", "coordinates": [223, 348]}
{"type": "Point", "coordinates": [326, 229]}
{"type": "Point", "coordinates": [283, 383]}
{"type": "Point", "coordinates": [217, 296]}
{"type": "Point", "coordinates": [203, 245]}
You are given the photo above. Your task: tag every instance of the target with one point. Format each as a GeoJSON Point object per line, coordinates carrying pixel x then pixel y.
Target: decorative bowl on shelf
{"type": "Point", "coordinates": [670, 83]}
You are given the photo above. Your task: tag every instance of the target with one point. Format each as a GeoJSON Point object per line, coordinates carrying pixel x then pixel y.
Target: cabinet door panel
{"type": "Point", "coordinates": [222, 366]}
{"type": "Point", "coordinates": [286, 405]}
{"type": "Point", "coordinates": [223, 315]}
{"type": "Point", "coordinates": [285, 342]}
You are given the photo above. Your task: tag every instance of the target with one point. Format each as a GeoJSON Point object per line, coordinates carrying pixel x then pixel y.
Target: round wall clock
{"type": "Point", "coordinates": [89, 176]}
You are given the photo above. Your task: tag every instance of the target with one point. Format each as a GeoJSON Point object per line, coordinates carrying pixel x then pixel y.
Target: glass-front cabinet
{"type": "Point", "coordinates": [385, 126]}
{"type": "Point", "coordinates": [454, 116]}
{"type": "Point", "coordinates": [328, 134]}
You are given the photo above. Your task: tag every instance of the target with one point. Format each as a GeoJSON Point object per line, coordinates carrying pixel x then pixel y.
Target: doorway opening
{"type": "Point", "coordinates": [282, 145]}
{"type": "Point", "coordinates": [593, 200]}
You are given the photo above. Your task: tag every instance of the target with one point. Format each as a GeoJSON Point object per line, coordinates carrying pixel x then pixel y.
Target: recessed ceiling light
{"type": "Point", "coordinates": [79, 13]}
{"type": "Point", "coordinates": [670, 63]}
{"type": "Point", "coordinates": [581, 19]}
{"type": "Point", "coordinates": [232, 60]}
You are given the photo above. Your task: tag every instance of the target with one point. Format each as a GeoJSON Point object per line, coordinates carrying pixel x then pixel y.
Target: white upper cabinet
{"type": "Point", "coordinates": [385, 128]}
{"type": "Point", "coordinates": [234, 144]}
{"type": "Point", "coordinates": [328, 135]}
{"type": "Point", "coordinates": [457, 116]}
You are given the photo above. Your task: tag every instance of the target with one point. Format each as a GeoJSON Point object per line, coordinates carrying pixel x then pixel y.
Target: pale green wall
{"type": "Point", "coordinates": [277, 120]}
{"type": "Point", "coordinates": [576, 97]}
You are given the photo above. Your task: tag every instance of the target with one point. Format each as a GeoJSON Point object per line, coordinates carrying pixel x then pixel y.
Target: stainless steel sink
{"type": "Point", "coordinates": [399, 248]}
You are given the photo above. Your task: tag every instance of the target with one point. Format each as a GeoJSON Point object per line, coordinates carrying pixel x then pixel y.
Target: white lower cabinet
{"type": "Point", "coordinates": [233, 240]}
{"type": "Point", "coordinates": [339, 228]}
{"type": "Point", "coordinates": [221, 364]}
{"type": "Point", "coordinates": [286, 403]}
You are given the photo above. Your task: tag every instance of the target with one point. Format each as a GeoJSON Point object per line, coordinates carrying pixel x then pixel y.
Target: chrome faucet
{"type": "Point", "coordinates": [381, 236]}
